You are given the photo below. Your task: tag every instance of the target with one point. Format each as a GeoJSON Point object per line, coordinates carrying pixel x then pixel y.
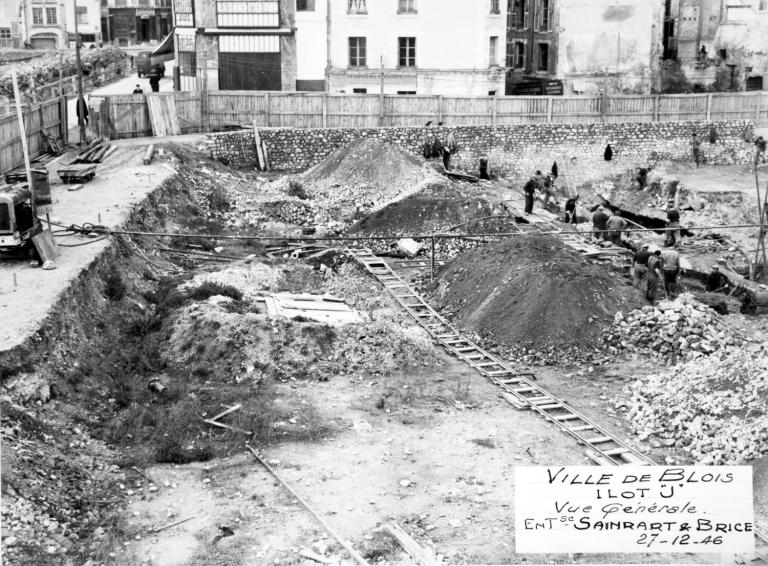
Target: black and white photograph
{"type": "Point", "coordinates": [383, 282]}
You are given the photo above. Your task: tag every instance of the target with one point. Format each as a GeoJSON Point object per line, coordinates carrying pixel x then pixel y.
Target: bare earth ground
{"type": "Point", "coordinates": [121, 182]}
{"type": "Point", "coordinates": [460, 494]}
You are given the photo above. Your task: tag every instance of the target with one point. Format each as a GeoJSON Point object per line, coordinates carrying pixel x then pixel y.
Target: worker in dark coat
{"type": "Point", "coordinates": [640, 266]}
{"type": "Point", "coordinates": [673, 228]}
{"type": "Point", "coordinates": [652, 276]}
{"type": "Point", "coordinates": [608, 154]}
{"type": "Point", "coordinates": [530, 190]}
{"type": "Point", "coordinates": [570, 210]}
{"type": "Point", "coordinates": [554, 170]}
{"type": "Point", "coordinates": [484, 168]}
{"type": "Point", "coordinates": [82, 110]}
{"type": "Point", "coordinates": [154, 84]}
{"type": "Point", "coordinates": [716, 281]}
{"type": "Point", "coordinates": [599, 221]}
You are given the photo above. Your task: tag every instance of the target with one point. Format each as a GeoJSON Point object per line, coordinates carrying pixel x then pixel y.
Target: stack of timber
{"type": "Point", "coordinates": [95, 152]}
{"type": "Point", "coordinates": [162, 114]}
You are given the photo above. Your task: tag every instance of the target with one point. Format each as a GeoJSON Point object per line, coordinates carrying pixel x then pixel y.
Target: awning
{"type": "Point", "coordinates": [163, 52]}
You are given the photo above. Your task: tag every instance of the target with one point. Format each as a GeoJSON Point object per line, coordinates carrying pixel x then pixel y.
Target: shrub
{"type": "Point", "coordinates": [296, 189]}
{"type": "Point", "coordinates": [210, 288]}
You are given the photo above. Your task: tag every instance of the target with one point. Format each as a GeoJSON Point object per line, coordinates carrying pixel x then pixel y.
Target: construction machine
{"type": "Point", "coordinates": [18, 225]}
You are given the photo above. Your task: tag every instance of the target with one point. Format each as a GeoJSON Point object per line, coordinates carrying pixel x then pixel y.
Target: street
{"type": "Point", "coordinates": [122, 86]}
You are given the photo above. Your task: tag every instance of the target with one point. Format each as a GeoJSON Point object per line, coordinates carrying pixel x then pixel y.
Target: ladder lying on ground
{"type": "Point", "coordinates": [519, 389]}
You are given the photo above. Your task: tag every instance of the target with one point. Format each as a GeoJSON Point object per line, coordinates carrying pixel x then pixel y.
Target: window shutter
{"type": "Point", "coordinates": [526, 14]}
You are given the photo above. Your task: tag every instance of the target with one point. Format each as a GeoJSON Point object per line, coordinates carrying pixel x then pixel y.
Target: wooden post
{"type": "Point", "coordinates": [432, 260]}
{"type": "Point", "coordinates": [494, 111]}
{"type": "Point", "coordinates": [759, 96]}
{"type": "Point", "coordinates": [656, 108]}
{"type": "Point", "coordinates": [439, 108]}
{"type": "Point", "coordinates": [266, 107]}
{"type": "Point", "coordinates": [549, 110]}
{"type": "Point", "coordinates": [63, 120]}
{"type": "Point", "coordinates": [24, 148]}
{"type": "Point", "coordinates": [381, 91]}
{"type": "Point", "coordinates": [61, 79]}
{"type": "Point", "coordinates": [603, 105]}
{"type": "Point", "coordinates": [709, 107]}
{"type": "Point", "coordinates": [325, 110]}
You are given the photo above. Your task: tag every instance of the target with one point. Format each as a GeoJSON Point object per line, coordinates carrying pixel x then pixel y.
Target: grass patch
{"type": "Point", "coordinates": [211, 288]}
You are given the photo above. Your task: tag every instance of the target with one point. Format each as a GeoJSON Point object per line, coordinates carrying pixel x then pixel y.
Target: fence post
{"type": "Point", "coordinates": [656, 108]}
{"type": "Point", "coordinates": [63, 116]}
{"type": "Point", "coordinates": [549, 110]}
{"type": "Point", "coordinates": [494, 110]}
{"type": "Point", "coordinates": [603, 104]}
{"type": "Point", "coordinates": [709, 107]}
{"type": "Point", "coordinates": [439, 108]}
{"type": "Point", "coordinates": [325, 110]}
{"type": "Point", "coordinates": [266, 107]}
{"type": "Point", "coordinates": [757, 106]}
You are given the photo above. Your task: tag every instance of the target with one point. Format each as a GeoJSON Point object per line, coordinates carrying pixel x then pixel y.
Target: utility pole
{"type": "Point", "coordinates": [24, 148]}
{"type": "Point", "coordinates": [381, 90]}
{"type": "Point", "coordinates": [80, 100]}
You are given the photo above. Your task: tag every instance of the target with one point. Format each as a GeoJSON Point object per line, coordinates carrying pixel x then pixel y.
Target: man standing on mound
{"type": "Point", "coordinates": [652, 276]}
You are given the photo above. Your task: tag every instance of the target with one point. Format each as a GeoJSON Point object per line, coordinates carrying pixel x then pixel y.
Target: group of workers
{"type": "Point", "coordinates": [544, 184]}
{"type": "Point", "coordinates": [651, 265]}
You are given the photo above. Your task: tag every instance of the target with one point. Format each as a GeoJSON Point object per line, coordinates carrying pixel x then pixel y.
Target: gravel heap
{"type": "Point", "coordinates": [671, 330]}
{"type": "Point", "coordinates": [713, 407]}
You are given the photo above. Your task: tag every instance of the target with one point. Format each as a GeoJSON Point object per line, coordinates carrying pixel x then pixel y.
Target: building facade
{"type": "Point", "coordinates": [531, 45]}
{"type": "Point", "coordinates": [444, 47]}
{"type": "Point", "coordinates": [132, 22]}
{"type": "Point", "coordinates": [45, 25]}
{"type": "Point", "coordinates": [611, 46]}
{"type": "Point", "coordinates": [11, 25]}
{"type": "Point", "coordinates": [236, 44]}
{"type": "Point", "coordinates": [87, 14]}
{"type": "Point", "coordinates": [719, 45]}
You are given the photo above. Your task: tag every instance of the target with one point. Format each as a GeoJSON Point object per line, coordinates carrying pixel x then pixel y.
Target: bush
{"type": "Point", "coordinates": [114, 288]}
{"type": "Point", "coordinates": [210, 288]}
{"type": "Point", "coordinates": [296, 189]}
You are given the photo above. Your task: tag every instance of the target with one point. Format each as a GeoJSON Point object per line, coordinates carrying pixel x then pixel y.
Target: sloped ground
{"type": "Point", "coordinates": [531, 292]}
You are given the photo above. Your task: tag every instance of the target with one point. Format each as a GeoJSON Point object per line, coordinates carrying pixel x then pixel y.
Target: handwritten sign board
{"type": "Point", "coordinates": [634, 509]}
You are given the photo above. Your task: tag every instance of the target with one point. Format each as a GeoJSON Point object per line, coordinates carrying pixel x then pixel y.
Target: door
{"type": "Point", "coordinates": [145, 29]}
{"type": "Point", "coordinates": [249, 71]}
{"type": "Point", "coordinates": [43, 43]}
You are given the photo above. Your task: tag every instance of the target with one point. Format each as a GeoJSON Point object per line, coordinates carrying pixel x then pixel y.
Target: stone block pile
{"type": "Point", "coordinates": [291, 211]}
{"type": "Point", "coordinates": [713, 407]}
{"type": "Point", "coordinates": [671, 330]}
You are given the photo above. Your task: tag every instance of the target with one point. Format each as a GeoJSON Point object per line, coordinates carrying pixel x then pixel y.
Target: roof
{"type": "Point", "coordinates": [164, 51]}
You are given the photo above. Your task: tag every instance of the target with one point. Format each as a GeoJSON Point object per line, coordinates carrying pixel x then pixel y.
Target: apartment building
{"type": "Point", "coordinates": [10, 25]}
{"type": "Point", "coordinates": [428, 47]}
{"type": "Point", "coordinates": [88, 17]}
{"type": "Point", "coordinates": [132, 22]}
{"type": "Point", "coordinates": [531, 47]}
{"type": "Point", "coordinates": [236, 44]}
{"type": "Point", "coordinates": [716, 45]}
{"type": "Point", "coordinates": [44, 24]}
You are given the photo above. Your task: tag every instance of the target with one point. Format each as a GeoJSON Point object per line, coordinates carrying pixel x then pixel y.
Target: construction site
{"type": "Point", "coordinates": [334, 346]}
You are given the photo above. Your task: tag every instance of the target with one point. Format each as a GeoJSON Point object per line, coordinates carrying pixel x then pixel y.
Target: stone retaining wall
{"type": "Point", "coordinates": [510, 149]}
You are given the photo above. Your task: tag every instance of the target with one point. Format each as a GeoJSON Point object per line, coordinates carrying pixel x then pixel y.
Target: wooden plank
{"type": "Point", "coordinates": [262, 164]}
{"type": "Point", "coordinates": [420, 555]}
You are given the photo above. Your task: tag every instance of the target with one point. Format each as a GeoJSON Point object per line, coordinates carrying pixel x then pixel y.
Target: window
{"type": "Point", "coordinates": [545, 16]}
{"type": "Point", "coordinates": [492, 48]}
{"type": "Point", "coordinates": [305, 5]}
{"type": "Point", "coordinates": [737, 14]}
{"type": "Point", "coordinates": [184, 13]}
{"type": "Point", "coordinates": [408, 92]}
{"type": "Point", "coordinates": [518, 55]}
{"type": "Point", "coordinates": [762, 5]}
{"type": "Point", "coordinates": [5, 33]}
{"type": "Point", "coordinates": [495, 7]}
{"type": "Point", "coordinates": [543, 60]}
{"type": "Point", "coordinates": [82, 15]}
{"type": "Point", "coordinates": [406, 51]}
{"type": "Point", "coordinates": [519, 14]}
{"type": "Point", "coordinates": [357, 7]}
{"type": "Point", "coordinates": [406, 6]}
{"type": "Point", "coordinates": [37, 16]}
{"type": "Point", "coordinates": [50, 16]}
{"type": "Point", "coordinates": [359, 91]}
{"type": "Point", "coordinates": [248, 13]}
{"type": "Point", "coordinates": [357, 52]}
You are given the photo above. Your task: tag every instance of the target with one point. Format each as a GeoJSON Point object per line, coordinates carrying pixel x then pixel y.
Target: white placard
{"type": "Point", "coordinates": [592, 509]}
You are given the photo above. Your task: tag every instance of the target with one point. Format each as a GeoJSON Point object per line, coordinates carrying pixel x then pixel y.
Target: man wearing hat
{"type": "Point", "coordinates": [640, 266]}
{"type": "Point", "coordinates": [653, 275]}
{"type": "Point", "coordinates": [599, 221]}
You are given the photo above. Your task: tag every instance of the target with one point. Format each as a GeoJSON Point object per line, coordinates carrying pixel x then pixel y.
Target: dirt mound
{"type": "Point", "coordinates": [366, 172]}
{"type": "Point", "coordinates": [437, 207]}
{"type": "Point", "coordinates": [531, 292]}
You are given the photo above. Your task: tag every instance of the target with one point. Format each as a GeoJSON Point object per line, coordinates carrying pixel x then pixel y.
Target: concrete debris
{"type": "Point", "coordinates": [713, 407]}
{"type": "Point", "coordinates": [671, 330]}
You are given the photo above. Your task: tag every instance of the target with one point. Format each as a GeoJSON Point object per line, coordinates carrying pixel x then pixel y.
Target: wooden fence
{"type": "Point", "coordinates": [221, 110]}
{"type": "Point", "coordinates": [50, 116]}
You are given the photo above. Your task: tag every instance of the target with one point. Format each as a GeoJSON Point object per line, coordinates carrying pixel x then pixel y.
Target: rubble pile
{"type": "Point", "coordinates": [712, 407]}
{"type": "Point", "coordinates": [291, 211]}
{"type": "Point", "coordinates": [671, 330]}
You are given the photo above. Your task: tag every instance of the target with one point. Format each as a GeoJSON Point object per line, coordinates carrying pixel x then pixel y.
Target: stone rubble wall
{"type": "Point", "coordinates": [511, 150]}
